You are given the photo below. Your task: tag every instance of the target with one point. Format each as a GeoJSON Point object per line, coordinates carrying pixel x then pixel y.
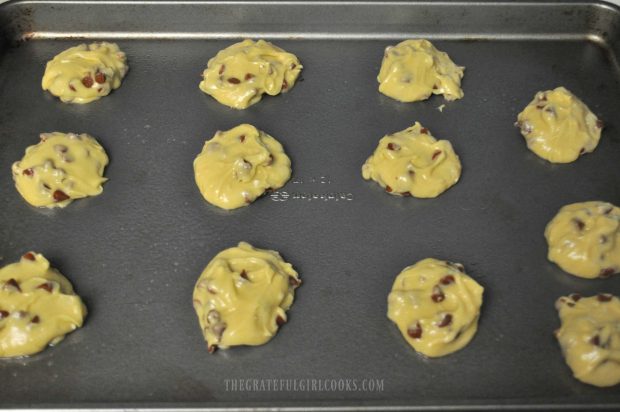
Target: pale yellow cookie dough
{"type": "Point", "coordinates": [559, 127]}
{"type": "Point", "coordinates": [60, 168]}
{"type": "Point", "coordinates": [242, 296]}
{"type": "Point", "coordinates": [37, 307]}
{"type": "Point", "coordinates": [239, 75]}
{"type": "Point", "coordinates": [412, 162]}
{"type": "Point", "coordinates": [584, 239]}
{"type": "Point", "coordinates": [590, 337]}
{"type": "Point", "coordinates": [237, 166]}
{"type": "Point", "coordinates": [85, 73]}
{"type": "Point", "coordinates": [414, 69]}
{"type": "Point", "coordinates": [436, 306]}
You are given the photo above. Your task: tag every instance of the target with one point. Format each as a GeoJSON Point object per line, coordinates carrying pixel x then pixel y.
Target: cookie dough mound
{"type": "Point", "coordinates": [237, 166]}
{"type": "Point", "coordinates": [85, 73]}
{"type": "Point", "coordinates": [559, 127]}
{"type": "Point", "coordinates": [436, 306]}
{"type": "Point", "coordinates": [590, 337]}
{"type": "Point", "coordinates": [242, 296]}
{"type": "Point", "coordinates": [584, 239]}
{"type": "Point", "coordinates": [37, 307]}
{"type": "Point", "coordinates": [239, 75]}
{"type": "Point", "coordinates": [60, 168]}
{"type": "Point", "coordinates": [412, 162]}
{"type": "Point", "coordinates": [414, 69]}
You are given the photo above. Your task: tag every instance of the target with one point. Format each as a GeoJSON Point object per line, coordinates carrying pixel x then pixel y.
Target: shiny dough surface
{"type": "Point", "coordinates": [589, 337]}
{"type": "Point", "coordinates": [60, 168]}
{"type": "Point", "coordinates": [436, 306]}
{"type": "Point", "coordinates": [414, 69]}
{"type": "Point", "coordinates": [85, 73]}
{"type": "Point", "coordinates": [559, 127]}
{"type": "Point", "coordinates": [584, 239]}
{"type": "Point", "coordinates": [412, 162]}
{"type": "Point", "coordinates": [37, 306]}
{"type": "Point", "coordinates": [240, 74]}
{"type": "Point", "coordinates": [237, 166]}
{"type": "Point", "coordinates": [242, 296]}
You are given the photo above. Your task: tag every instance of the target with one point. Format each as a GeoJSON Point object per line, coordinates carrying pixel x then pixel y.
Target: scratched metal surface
{"type": "Point", "coordinates": [134, 252]}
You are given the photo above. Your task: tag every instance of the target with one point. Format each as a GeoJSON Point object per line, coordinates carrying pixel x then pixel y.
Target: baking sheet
{"type": "Point", "coordinates": [135, 252]}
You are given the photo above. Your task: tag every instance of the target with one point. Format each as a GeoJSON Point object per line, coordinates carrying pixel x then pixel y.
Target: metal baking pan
{"type": "Point", "coordinates": [135, 252]}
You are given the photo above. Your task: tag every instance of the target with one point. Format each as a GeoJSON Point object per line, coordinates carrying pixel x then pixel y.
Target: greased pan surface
{"type": "Point", "coordinates": [135, 252]}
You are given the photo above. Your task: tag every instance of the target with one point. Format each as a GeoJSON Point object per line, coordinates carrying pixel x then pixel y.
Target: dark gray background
{"type": "Point", "coordinates": [135, 252]}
